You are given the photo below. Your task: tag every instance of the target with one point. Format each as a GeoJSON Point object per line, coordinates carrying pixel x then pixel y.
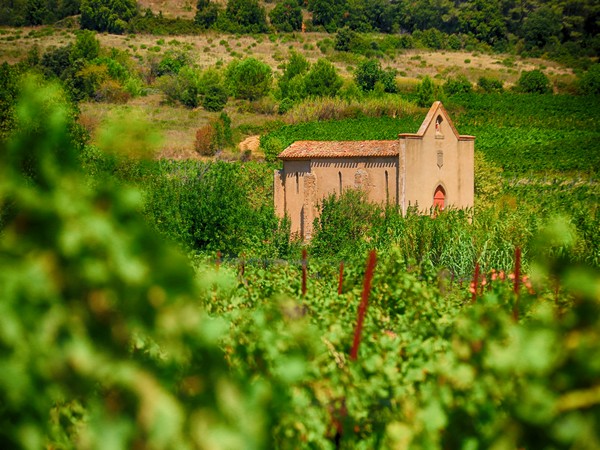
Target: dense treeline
{"type": "Point", "coordinates": [529, 25]}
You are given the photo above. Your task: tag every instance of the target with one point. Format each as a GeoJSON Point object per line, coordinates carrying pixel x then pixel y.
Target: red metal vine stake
{"type": "Point", "coordinates": [303, 272]}
{"type": "Point", "coordinates": [341, 280]}
{"type": "Point", "coordinates": [363, 303]}
{"type": "Point", "coordinates": [218, 260]}
{"type": "Point", "coordinates": [517, 282]}
{"type": "Point", "coordinates": [475, 283]}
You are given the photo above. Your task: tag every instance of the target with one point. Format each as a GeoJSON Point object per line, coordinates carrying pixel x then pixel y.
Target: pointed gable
{"type": "Point", "coordinates": [436, 110]}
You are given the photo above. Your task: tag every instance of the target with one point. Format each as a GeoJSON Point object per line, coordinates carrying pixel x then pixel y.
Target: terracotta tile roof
{"type": "Point", "coordinates": [339, 149]}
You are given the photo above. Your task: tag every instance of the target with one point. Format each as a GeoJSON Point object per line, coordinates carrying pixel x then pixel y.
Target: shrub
{"type": "Point", "coordinates": [425, 92]}
{"type": "Point", "coordinates": [589, 83]}
{"type": "Point", "coordinates": [458, 85]}
{"type": "Point", "coordinates": [291, 83]}
{"type": "Point", "coordinates": [534, 82]}
{"type": "Point", "coordinates": [183, 87]}
{"type": "Point", "coordinates": [111, 91]}
{"type": "Point", "coordinates": [110, 16]}
{"type": "Point", "coordinates": [369, 73]}
{"type": "Point", "coordinates": [86, 46]}
{"type": "Point", "coordinates": [286, 16]}
{"type": "Point", "coordinates": [207, 13]}
{"type": "Point", "coordinates": [243, 16]}
{"type": "Point", "coordinates": [171, 63]}
{"type": "Point", "coordinates": [322, 80]}
{"type": "Point", "coordinates": [214, 136]}
{"type": "Point", "coordinates": [215, 98]}
{"type": "Point", "coordinates": [204, 140]}
{"type": "Point", "coordinates": [249, 79]}
{"type": "Point", "coordinates": [490, 85]}
{"type": "Point", "coordinates": [345, 39]}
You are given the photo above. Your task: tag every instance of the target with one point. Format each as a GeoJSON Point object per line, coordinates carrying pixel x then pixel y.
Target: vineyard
{"type": "Point", "coordinates": [474, 330]}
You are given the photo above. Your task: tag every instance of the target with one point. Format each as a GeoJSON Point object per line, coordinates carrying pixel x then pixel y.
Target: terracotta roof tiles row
{"type": "Point", "coordinates": [340, 149]}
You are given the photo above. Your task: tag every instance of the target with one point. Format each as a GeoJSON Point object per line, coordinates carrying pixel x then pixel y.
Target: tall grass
{"type": "Point", "coordinates": [327, 108]}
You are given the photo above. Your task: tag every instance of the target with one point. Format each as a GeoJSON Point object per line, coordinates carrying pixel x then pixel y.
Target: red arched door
{"type": "Point", "coordinates": [439, 198]}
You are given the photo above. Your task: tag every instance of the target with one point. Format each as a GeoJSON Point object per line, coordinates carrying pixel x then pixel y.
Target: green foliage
{"type": "Point", "coordinates": [344, 221]}
{"type": "Point", "coordinates": [291, 82]}
{"type": "Point", "coordinates": [490, 85]}
{"type": "Point", "coordinates": [107, 311]}
{"type": "Point", "coordinates": [86, 46]}
{"type": "Point", "coordinates": [214, 206]}
{"type": "Point", "coordinates": [534, 82]}
{"type": "Point", "coordinates": [243, 16]}
{"type": "Point", "coordinates": [9, 77]}
{"type": "Point", "coordinates": [171, 62]}
{"type": "Point", "coordinates": [286, 16]}
{"type": "Point", "coordinates": [369, 73]}
{"type": "Point", "coordinates": [207, 13]}
{"type": "Point", "coordinates": [425, 92]}
{"type": "Point", "coordinates": [248, 79]}
{"type": "Point", "coordinates": [589, 83]}
{"type": "Point", "coordinates": [327, 13]}
{"type": "Point", "coordinates": [214, 98]}
{"type": "Point", "coordinates": [322, 80]}
{"type": "Point", "coordinates": [111, 16]}
{"type": "Point", "coordinates": [458, 85]}
{"type": "Point", "coordinates": [345, 39]}
{"type": "Point", "coordinates": [184, 87]}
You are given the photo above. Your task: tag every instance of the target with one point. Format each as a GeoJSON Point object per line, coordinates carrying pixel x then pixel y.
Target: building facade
{"type": "Point", "coordinates": [433, 167]}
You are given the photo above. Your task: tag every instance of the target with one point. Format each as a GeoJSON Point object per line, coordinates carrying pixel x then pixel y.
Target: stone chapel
{"type": "Point", "coordinates": [432, 168]}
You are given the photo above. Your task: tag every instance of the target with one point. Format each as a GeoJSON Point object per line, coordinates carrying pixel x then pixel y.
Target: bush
{"type": "Point", "coordinates": [215, 98]}
{"type": "Point", "coordinates": [110, 16]}
{"type": "Point", "coordinates": [183, 87]}
{"type": "Point", "coordinates": [589, 83]}
{"type": "Point", "coordinates": [369, 73]}
{"type": "Point", "coordinates": [458, 85]}
{"type": "Point", "coordinates": [286, 16]}
{"type": "Point", "coordinates": [243, 16]}
{"type": "Point", "coordinates": [425, 92]}
{"type": "Point", "coordinates": [207, 14]}
{"type": "Point", "coordinates": [534, 82]}
{"type": "Point", "coordinates": [111, 91]}
{"type": "Point", "coordinates": [291, 83]}
{"type": "Point", "coordinates": [490, 85]}
{"type": "Point", "coordinates": [345, 39]}
{"type": "Point", "coordinates": [214, 137]}
{"type": "Point", "coordinates": [249, 79]}
{"type": "Point", "coordinates": [322, 80]}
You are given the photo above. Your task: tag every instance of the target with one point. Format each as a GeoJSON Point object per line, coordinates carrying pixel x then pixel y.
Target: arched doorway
{"type": "Point", "coordinates": [439, 198]}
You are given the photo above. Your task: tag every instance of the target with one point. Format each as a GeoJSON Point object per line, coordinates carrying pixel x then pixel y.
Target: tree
{"type": "Point", "coordinates": [368, 73]}
{"type": "Point", "coordinates": [38, 13]}
{"type": "Point", "coordinates": [286, 16]}
{"type": "Point", "coordinates": [322, 80]}
{"type": "Point", "coordinates": [458, 85]}
{"type": "Point", "coordinates": [425, 92]}
{"type": "Point", "coordinates": [541, 27]}
{"type": "Point", "coordinates": [111, 15]}
{"type": "Point", "coordinates": [86, 46]}
{"type": "Point", "coordinates": [328, 13]}
{"type": "Point", "coordinates": [589, 84]}
{"type": "Point", "coordinates": [534, 82]}
{"type": "Point", "coordinates": [207, 13]}
{"type": "Point", "coordinates": [345, 39]}
{"type": "Point", "coordinates": [249, 79]}
{"type": "Point", "coordinates": [245, 16]}
{"type": "Point", "coordinates": [291, 83]}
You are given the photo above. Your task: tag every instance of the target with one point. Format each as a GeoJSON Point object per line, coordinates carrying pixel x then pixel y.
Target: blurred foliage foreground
{"type": "Point", "coordinates": [109, 339]}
